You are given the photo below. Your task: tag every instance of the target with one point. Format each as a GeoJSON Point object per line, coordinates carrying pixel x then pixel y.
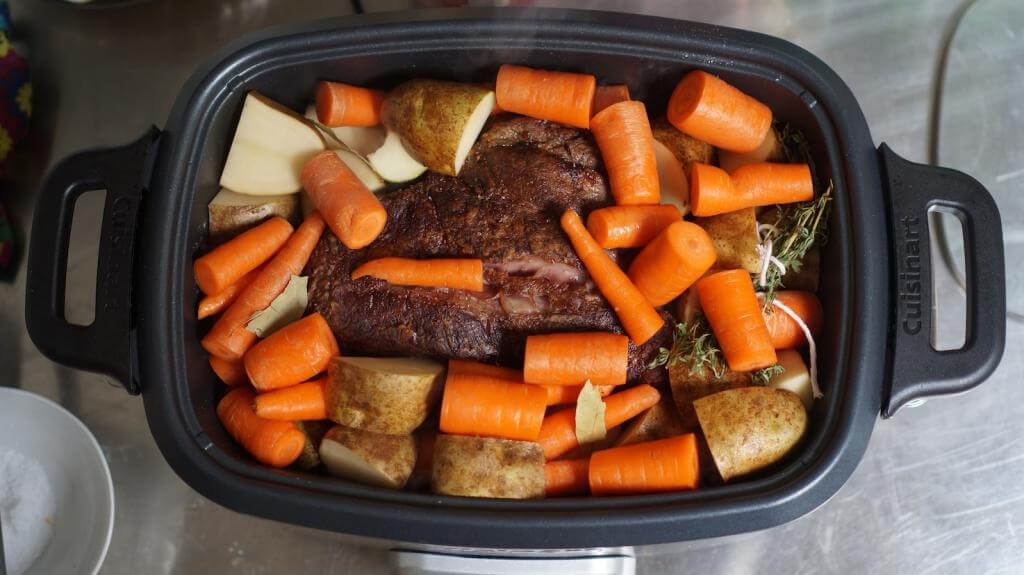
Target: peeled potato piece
{"type": "Point", "coordinates": [270, 145]}
{"type": "Point", "coordinates": [382, 394]}
{"type": "Point", "coordinates": [393, 162]}
{"type": "Point", "coordinates": [487, 467]}
{"type": "Point", "coordinates": [795, 376]}
{"type": "Point", "coordinates": [675, 189]}
{"type": "Point", "coordinates": [368, 457]}
{"type": "Point", "coordinates": [750, 428]}
{"type": "Point", "coordinates": [438, 121]}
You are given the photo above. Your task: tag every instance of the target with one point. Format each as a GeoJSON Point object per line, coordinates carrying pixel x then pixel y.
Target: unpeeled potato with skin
{"type": "Point", "coordinates": [686, 149]}
{"type": "Point", "coordinates": [487, 467]}
{"type": "Point", "coordinates": [437, 120]}
{"type": "Point", "coordinates": [750, 428]}
{"type": "Point", "coordinates": [368, 457]}
{"type": "Point", "coordinates": [382, 394]}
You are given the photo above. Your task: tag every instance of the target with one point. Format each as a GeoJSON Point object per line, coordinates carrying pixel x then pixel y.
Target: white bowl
{"type": "Point", "coordinates": [78, 474]}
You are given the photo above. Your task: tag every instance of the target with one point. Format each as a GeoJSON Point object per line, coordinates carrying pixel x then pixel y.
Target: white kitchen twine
{"type": "Point", "coordinates": [764, 249]}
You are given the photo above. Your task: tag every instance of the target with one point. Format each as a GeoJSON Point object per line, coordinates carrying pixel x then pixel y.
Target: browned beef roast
{"type": "Point", "coordinates": [503, 208]}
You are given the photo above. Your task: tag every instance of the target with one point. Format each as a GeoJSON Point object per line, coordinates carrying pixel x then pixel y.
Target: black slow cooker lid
{"type": "Point", "coordinates": [148, 337]}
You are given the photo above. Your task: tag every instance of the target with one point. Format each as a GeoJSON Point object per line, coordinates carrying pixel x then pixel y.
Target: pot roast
{"type": "Point", "coordinates": [503, 208]}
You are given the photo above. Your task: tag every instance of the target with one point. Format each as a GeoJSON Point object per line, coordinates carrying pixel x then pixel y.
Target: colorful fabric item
{"type": "Point", "coordinates": [15, 89]}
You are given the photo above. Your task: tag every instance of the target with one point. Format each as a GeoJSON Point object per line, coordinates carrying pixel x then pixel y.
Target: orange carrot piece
{"type": "Point", "coordinates": [623, 135]}
{"type": "Point", "coordinates": [230, 372]}
{"type": "Point", "coordinates": [351, 210]}
{"type": "Point", "coordinates": [467, 367]}
{"type": "Point", "coordinates": [574, 358]}
{"type": "Point", "coordinates": [561, 394]}
{"type": "Point", "coordinates": [292, 354]}
{"type": "Point", "coordinates": [566, 477]}
{"type": "Point", "coordinates": [561, 97]}
{"type": "Point", "coordinates": [274, 443]}
{"type": "Point", "coordinates": [766, 183]}
{"type": "Point", "coordinates": [630, 226]}
{"type": "Point", "coordinates": [228, 338]}
{"type": "Point", "coordinates": [654, 466]}
{"type": "Point", "coordinates": [732, 309]}
{"type": "Point", "coordinates": [228, 262]}
{"type": "Point", "coordinates": [637, 316]}
{"type": "Point", "coordinates": [467, 274]}
{"type": "Point", "coordinates": [218, 302]}
{"type": "Point", "coordinates": [558, 432]}
{"type": "Point", "coordinates": [303, 401]}
{"type": "Point", "coordinates": [784, 332]}
{"type": "Point", "coordinates": [671, 263]}
{"type": "Point", "coordinates": [709, 109]}
{"type": "Point", "coordinates": [712, 192]}
{"type": "Point", "coordinates": [479, 405]}
{"type": "Point", "coordinates": [340, 104]}
{"type": "Point", "coordinates": [605, 96]}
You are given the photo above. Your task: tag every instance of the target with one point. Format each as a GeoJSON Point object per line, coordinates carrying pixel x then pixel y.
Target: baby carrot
{"type": "Point", "coordinates": [630, 226]}
{"type": "Point", "coordinates": [340, 104]}
{"type": "Point", "coordinates": [467, 274]}
{"type": "Point", "coordinates": [230, 372]}
{"type": "Point", "coordinates": [558, 432]}
{"type": "Point", "coordinates": [671, 263]}
{"type": "Point", "coordinates": [605, 96]}
{"type": "Point", "coordinates": [574, 358]}
{"type": "Point", "coordinates": [765, 184]}
{"type": "Point", "coordinates": [304, 401]}
{"type": "Point", "coordinates": [479, 405]}
{"type": "Point", "coordinates": [561, 97]}
{"type": "Point", "coordinates": [292, 354]}
{"type": "Point", "coordinates": [228, 262]}
{"type": "Point", "coordinates": [351, 210]}
{"type": "Point", "coordinates": [228, 338]}
{"type": "Point", "coordinates": [636, 314]}
{"type": "Point", "coordinates": [467, 367]}
{"type": "Point", "coordinates": [560, 394]}
{"type": "Point", "coordinates": [784, 332]}
{"type": "Point", "coordinates": [663, 465]}
{"type": "Point", "coordinates": [732, 309]}
{"type": "Point", "coordinates": [274, 443]}
{"type": "Point", "coordinates": [623, 135]}
{"type": "Point", "coordinates": [566, 477]}
{"type": "Point", "coordinates": [709, 109]}
{"type": "Point", "coordinates": [218, 302]}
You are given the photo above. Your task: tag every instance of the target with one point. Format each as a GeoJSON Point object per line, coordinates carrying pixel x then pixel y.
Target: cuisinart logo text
{"type": "Point", "coordinates": [910, 276]}
{"type": "Point", "coordinates": [121, 210]}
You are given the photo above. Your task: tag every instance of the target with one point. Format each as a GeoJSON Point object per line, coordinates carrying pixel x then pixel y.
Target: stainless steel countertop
{"type": "Point", "coordinates": [939, 490]}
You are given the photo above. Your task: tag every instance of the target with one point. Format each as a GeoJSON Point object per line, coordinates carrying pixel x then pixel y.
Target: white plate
{"type": "Point", "coordinates": [78, 474]}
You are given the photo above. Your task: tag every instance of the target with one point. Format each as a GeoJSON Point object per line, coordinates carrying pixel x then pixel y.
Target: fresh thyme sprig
{"type": "Point", "coordinates": [797, 228]}
{"type": "Point", "coordinates": [694, 345]}
{"type": "Point", "coordinates": [764, 376]}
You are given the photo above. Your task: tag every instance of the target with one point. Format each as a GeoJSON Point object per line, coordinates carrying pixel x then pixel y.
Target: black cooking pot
{"type": "Point", "coordinates": [875, 354]}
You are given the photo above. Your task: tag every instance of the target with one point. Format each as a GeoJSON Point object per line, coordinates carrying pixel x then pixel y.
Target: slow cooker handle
{"type": "Point", "coordinates": [917, 369]}
{"type": "Point", "coordinates": [105, 345]}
